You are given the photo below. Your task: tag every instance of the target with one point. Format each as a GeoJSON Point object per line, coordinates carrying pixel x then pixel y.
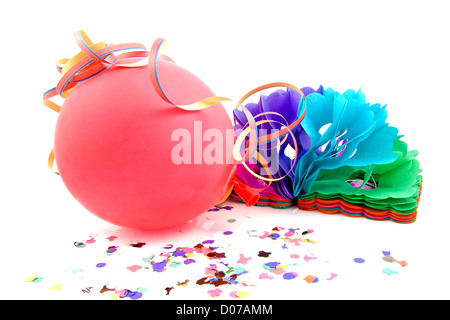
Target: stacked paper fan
{"type": "Point", "coordinates": [349, 159]}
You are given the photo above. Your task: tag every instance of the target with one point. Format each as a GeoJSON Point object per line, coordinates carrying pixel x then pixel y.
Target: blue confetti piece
{"type": "Point", "coordinates": [288, 276]}
{"type": "Point", "coordinates": [359, 260]}
{"type": "Point", "coordinates": [386, 253]}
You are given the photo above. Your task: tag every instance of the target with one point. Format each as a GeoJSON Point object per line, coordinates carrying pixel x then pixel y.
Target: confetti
{"type": "Point", "coordinates": [307, 258]}
{"type": "Point", "coordinates": [311, 279]}
{"type": "Point", "coordinates": [241, 294]}
{"type": "Point", "coordinates": [56, 287]}
{"type": "Point", "coordinates": [137, 244]}
{"type": "Point", "coordinates": [332, 276]}
{"type": "Point", "coordinates": [243, 259]}
{"type": "Point", "coordinates": [91, 240]}
{"type": "Point", "coordinates": [34, 279]}
{"type": "Point", "coordinates": [75, 271]}
{"type": "Point", "coordinates": [183, 284]}
{"type": "Point", "coordinates": [264, 254]}
{"type": "Point", "coordinates": [168, 289]}
{"type": "Point", "coordinates": [270, 265]}
{"type": "Point", "coordinates": [134, 268]}
{"type": "Point", "coordinates": [105, 289]}
{"type": "Point", "coordinates": [159, 266]}
{"type": "Point", "coordinates": [389, 271]}
{"type": "Point", "coordinates": [211, 256]}
{"type": "Point", "coordinates": [265, 276]}
{"type": "Point", "coordinates": [359, 260]}
{"type": "Point", "coordinates": [402, 263]}
{"type": "Point", "coordinates": [214, 293]}
{"type": "Point", "coordinates": [79, 244]}
{"type": "Point", "coordinates": [278, 270]}
{"type": "Point", "coordinates": [133, 295]}
{"type": "Point", "coordinates": [290, 275]}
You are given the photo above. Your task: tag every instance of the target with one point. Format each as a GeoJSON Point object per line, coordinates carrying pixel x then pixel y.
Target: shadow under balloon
{"type": "Point", "coordinates": [226, 217]}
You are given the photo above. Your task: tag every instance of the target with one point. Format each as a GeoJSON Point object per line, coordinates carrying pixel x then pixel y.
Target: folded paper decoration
{"type": "Point", "coordinates": [350, 160]}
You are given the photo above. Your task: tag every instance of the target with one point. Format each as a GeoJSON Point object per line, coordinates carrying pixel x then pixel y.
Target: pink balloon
{"type": "Point", "coordinates": [114, 143]}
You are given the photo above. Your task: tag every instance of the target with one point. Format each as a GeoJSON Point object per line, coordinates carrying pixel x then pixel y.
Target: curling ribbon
{"type": "Point", "coordinates": [95, 58]}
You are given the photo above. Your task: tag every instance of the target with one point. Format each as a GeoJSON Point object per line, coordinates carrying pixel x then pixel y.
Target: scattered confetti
{"type": "Point", "coordinates": [389, 271]}
{"type": "Point", "coordinates": [79, 244]}
{"type": "Point", "coordinates": [34, 279]}
{"type": "Point", "coordinates": [242, 294]}
{"type": "Point", "coordinates": [311, 279]}
{"type": "Point", "coordinates": [215, 292]}
{"type": "Point", "coordinates": [265, 276]}
{"type": "Point", "coordinates": [243, 259]}
{"type": "Point", "coordinates": [57, 287]}
{"type": "Point", "coordinates": [290, 275]}
{"type": "Point", "coordinates": [218, 207]}
{"type": "Point", "coordinates": [307, 258]}
{"type": "Point", "coordinates": [105, 289]}
{"type": "Point", "coordinates": [168, 289]}
{"type": "Point", "coordinates": [134, 268]}
{"type": "Point", "coordinates": [279, 244]}
{"type": "Point", "coordinates": [264, 254]}
{"type": "Point", "coordinates": [137, 244]}
{"type": "Point", "coordinates": [332, 276]}
{"type": "Point", "coordinates": [75, 271]}
{"type": "Point", "coordinates": [183, 284]}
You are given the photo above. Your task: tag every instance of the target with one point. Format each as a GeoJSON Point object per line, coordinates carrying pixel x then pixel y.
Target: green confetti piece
{"type": "Point", "coordinates": [389, 271]}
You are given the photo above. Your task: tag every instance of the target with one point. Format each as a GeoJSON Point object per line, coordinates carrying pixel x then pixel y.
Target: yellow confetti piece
{"type": "Point", "coordinates": [282, 266]}
{"type": "Point", "coordinates": [56, 287]}
{"type": "Point", "coordinates": [189, 255]}
{"type": "Point", "coordinates": [115, 297]}
{"type": "Point", "coordinates": [242, 294]}
{"type": "Point", "coordinates": [31, 279]}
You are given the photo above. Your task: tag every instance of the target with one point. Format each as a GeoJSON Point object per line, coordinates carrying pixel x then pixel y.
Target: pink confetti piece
{"type": "Point", "coordinates": [214, 293]}
{"type": "Point", "coordinates": [134, 268]}
{"type": "Point", "coordinates": [278, 271]}
{"type": "Point", "coordinates": [296, 241]}
{"type": "Point", "coordinates": [307, 258]}
{"type": "Point", "coordinates": [265, 235]}
{"type": "Point", "coordinates": [265, 276]}
{"type": "Point", "coordinates": [294, 256]}
{"type": "Point", "coordinates": [332, 276]}
{"type": "Point", "coordinates": [111, 238]}
{"type": "Point", "coordinates": [243, 259]}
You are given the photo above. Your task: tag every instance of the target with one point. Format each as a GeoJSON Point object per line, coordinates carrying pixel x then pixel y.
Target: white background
{"type": "Point", "coordinates": [396, 51]}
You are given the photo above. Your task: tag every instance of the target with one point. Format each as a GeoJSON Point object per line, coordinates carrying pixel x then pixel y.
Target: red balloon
{"type": "Point", "coordinates": [114, 143]}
